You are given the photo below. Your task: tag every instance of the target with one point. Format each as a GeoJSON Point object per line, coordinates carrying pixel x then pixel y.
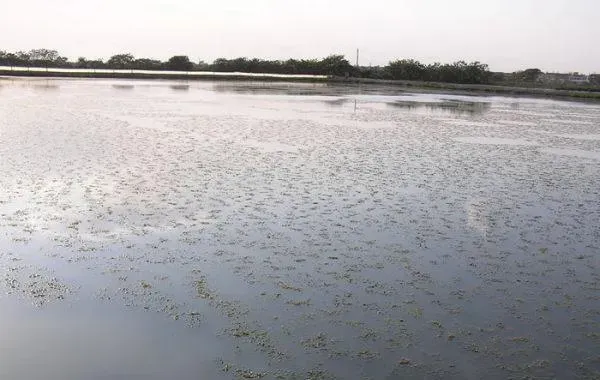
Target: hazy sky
{"type": "Point", "coordinates": [553, 35]}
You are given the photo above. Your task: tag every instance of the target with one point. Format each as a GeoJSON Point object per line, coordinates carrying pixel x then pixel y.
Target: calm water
{"type": "Point", "coordinates": [164, 229]}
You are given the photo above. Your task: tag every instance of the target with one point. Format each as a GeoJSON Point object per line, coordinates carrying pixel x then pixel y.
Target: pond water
{"type": "Point", "coordinates": [164, 229]}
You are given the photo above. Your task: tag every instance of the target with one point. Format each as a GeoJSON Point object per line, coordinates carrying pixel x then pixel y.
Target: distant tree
{"type": "Point", "coordinates": [335, 65]}
{"type": "Point", "coordinates": [12, 59]}
{"type": "Point", "coordinates": [46, 58]}
{"type": "Point", "coordinates": [202, 66]}
{"type": "Point", "coordinates": [476, 72]}
{"type": "Point", "coordinates": [84, 63]}
{"type": "Point", "coordinates": [120, 61]}
{"type": "Point", "coordinates": [179, 63]}
{"type": "Point", "coordinates": [406, 69]}
{"type": "Point", "coordinates": [374, 72]}
{"type": "Point", "coordinates": [81, 63]}
{"type": "Point", "coordinates": [220, 65]}
{"type": "Point", "coordinates": [290, 66]}
{"type": "Point", "coordinates": [457, 72]}
{"type": "Point", "coordinates": [530, 75]}
{"type": "Point", "coordinates": [23, 56]}
{"type": "Point", "coordinates": [240, 64]}
{"type": "Point", "coordinates": [96, 64]}
{"type": "Point", "coordinates": [43, 55]}
{"type": "Point", "coordinates": [332, 65]}
{"type": "Point", "coordinates": [147, 64]}
{"type": "Point", "coordinates": [498, 77]}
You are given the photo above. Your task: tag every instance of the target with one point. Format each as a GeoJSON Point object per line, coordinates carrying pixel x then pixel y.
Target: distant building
{"type": "Point", "coordinates": [579, 78]}
{"type": "Point", "coordinates": [563, 78]}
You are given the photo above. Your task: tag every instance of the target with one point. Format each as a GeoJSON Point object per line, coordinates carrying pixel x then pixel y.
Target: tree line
{"type": "Point", "coordinates": [410, 69]}
{"type": "Point", "coordinates": [333, 65]}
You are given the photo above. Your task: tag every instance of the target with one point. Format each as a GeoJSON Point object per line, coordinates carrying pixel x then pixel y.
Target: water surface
{"type": "Point", "coordinates": [164, 229]}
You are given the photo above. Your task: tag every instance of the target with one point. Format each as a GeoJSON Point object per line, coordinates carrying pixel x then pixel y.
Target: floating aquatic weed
{"type": "Point", "coordinates": [318, 341]}
{"type": "Point", "coordinates": [367, 355]}
{"type": "Point", "coordinates": [369, 204]}
{"type": "Point", "coordinates": [437, 324]}
{"type": "Point", "coordinates": [285, 286]}
{"type": "Point", "coordinates": [202, 289]}
{"type": "Point", "coordinates": [305, 302]}
{"type": "Point", "coordinates": [369, 334]}
{"type": "Point", "coordinates": [416, 312]}
{"type": "Point", "coordinates": [456, 106]}
{"type": "Point", "coordinates": [247, 374]}
{"type": "Point", "coordinates": [38, 286]}
{"type": "Point", "coordinates": [519, 339]}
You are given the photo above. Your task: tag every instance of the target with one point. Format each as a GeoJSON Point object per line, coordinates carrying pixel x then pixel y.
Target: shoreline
{"type": "Point", "coordinates": [478, 89]}
{"type": "Point", "coordinates": [416, 86]}
{"type": "Point", "coordinates": [145, 74]}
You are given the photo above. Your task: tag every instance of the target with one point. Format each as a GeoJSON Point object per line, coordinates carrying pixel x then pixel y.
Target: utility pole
{"type": "Point", "coordinates": [357, 54]}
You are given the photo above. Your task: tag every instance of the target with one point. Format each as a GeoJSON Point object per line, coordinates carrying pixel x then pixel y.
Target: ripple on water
{"type": "Point", "coordinates": [592, 137]}
{"type": "Point", "coordinates": [214, 234]}
{"type": "Point", "coordinates": [270, 146]}
{"type": "Point", "coordinates": [580, 153]}
{"type": "Point", "coordinates": [494, 141]}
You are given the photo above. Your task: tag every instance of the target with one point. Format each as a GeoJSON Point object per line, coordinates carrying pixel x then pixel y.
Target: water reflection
{"type": "Point", "coordinates": [454, 106]}
{"type": "Point", "coordinates": [45, 86]}
{"type": "Point", "coordinates": [478, 215]}
{"type": "Point", "coordinates": [336, 102]}
{"type": "Point", "coordinates": [123, 86]}
{"type": "Point", "coordinates": [340, 102]}
{"type": "Point", "coordinates": [94, 341]}
{"type": "Point", "coordinates": [253, 88]}
{"type": "Point", "coordinates": [288, 226]}
{"type": "Point", "coordinates": [180, 87]}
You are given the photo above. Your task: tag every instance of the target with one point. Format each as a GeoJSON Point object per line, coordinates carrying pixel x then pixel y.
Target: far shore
{"type": "Point", "coordinates": [149, 74]}
{"type": "Point", "coordinates": [416, 86]}
{"type": "Point", "coordinates": [477, 89]}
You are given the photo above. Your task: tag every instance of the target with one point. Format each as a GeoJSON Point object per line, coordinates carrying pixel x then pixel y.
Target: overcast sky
{"type": "Point", "coordinates": [553, 35]}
